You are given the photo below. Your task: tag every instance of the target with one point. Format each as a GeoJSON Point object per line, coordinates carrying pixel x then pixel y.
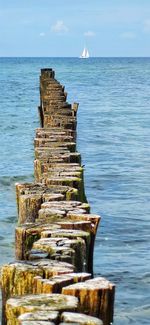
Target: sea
{"type": "Point", "coordinates": [114, 141]}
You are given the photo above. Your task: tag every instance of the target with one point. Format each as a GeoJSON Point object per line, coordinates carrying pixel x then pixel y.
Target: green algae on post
{"type": "Point", "coordinates": [44, 302]}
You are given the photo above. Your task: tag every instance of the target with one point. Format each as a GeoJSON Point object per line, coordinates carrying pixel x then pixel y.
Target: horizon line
{"type": "Point", "coordinates": [73, 57]}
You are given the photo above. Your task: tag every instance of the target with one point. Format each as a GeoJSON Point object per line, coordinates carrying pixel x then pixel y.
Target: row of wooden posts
{"type": "Point", "coordinates": [51, 281]}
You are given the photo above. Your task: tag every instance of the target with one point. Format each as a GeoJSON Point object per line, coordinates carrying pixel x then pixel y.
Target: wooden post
{"type": "Point", "coordinates": [40, 316]}
{"type": "Point", "coordinates": [63, 249]}
{"type": "Point", "coordinates": [56, 283]}
{"type": "Point", "coordinates": [18, 278]}
{"type": "Point", "coordinates": [56, 317]}
{"type": "Point", "coordinates": [96, 298]}
{"type": "Point", "coordinates": [27, 234]}
{"type": "Point", "coordinates": [49, 302]}
{"type": "Point", "coordinates": [79, 318]}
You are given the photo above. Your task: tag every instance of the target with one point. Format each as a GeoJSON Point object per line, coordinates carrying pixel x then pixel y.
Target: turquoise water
{"type": "Point", "coordinates": [113, 138]}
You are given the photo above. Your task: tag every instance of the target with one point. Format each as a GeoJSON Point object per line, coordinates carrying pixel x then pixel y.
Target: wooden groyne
{"type": "Point", "coordinates": [51, 281]}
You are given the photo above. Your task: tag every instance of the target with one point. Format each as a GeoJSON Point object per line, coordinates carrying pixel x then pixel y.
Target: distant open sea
{"type": "Point", "coordinates": [114, 140]}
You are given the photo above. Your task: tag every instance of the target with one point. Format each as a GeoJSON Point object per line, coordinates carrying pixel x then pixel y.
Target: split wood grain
{"type": "Point", "coordinates": [96, 298]}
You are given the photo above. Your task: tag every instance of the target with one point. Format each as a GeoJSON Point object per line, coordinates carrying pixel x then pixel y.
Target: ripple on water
{"type": "Point", "coordinates": [6, 181]}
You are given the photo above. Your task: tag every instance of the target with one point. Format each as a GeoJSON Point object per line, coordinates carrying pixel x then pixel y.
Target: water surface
{"type": "Point", "coordinates": [113, 138]}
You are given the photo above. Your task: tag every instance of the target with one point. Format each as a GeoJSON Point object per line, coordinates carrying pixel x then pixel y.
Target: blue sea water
{"type": "Point", "coordinates": [114, 140]}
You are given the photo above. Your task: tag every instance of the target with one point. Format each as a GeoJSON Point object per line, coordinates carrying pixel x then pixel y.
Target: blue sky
{"type": "Point", "coordinates": [62, 27]}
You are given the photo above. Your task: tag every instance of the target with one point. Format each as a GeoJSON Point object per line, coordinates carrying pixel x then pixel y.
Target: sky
{"type": "Point", "coordinates": [61, 28]}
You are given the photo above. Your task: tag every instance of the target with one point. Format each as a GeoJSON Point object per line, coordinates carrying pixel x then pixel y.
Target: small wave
{"type": "Point", "coordinates": [6, 181]}
{"type": "Point", "coordinates": [11, 220]}
{"type": "Point", "coordinates": [146, 278]}
{"type": "Point", "coordinates": [115, 277]}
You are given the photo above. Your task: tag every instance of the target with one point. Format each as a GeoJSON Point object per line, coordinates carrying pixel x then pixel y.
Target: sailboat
{"type": "Point", "coordinates": [85, 54]}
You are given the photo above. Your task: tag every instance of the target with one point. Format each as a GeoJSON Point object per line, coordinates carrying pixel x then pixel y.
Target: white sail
{"type": "Point", "coordinates": [85, 54]}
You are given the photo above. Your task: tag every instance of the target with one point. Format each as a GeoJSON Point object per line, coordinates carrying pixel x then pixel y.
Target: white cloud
{"type": "Point", "coordinates": [128, 35]}
{"type": "Point", "coordinates": [59, 27]}
{"type": "Point", "coordinates": [146, 25]}
{"type": "Point", "coordinates": [42, 34]}
{"type": "Point", "coordinates": [89, 33]}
